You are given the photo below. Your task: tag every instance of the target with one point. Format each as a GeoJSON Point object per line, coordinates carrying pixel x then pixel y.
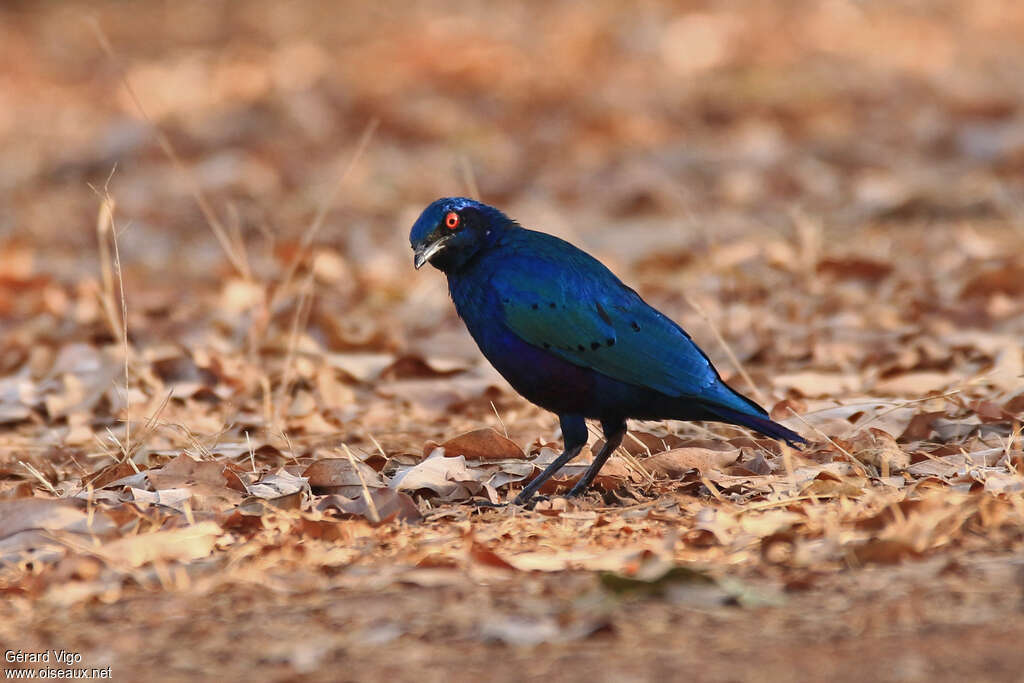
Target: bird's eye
{"type": "Point", "coordinates": [451, 221]}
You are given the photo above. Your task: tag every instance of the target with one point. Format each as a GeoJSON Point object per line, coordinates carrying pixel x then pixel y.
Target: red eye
{"type": "Point", "coordinates": [451, 221]}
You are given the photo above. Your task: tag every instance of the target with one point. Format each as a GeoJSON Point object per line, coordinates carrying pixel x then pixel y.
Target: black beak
{"type": "Point", "coordinates": [423, 252]}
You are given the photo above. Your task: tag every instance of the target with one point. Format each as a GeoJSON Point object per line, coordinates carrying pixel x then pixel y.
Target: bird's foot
{"type": "Point", "coordinates": [529, 502]}
{"type": "Point", "coordinates": [578, 490]}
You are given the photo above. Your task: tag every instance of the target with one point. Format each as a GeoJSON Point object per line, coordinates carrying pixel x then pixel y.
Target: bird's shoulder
{"type": "Point", "coordinates": [533, 280]}
{"type": "Point", "coordinates": [536, 260]}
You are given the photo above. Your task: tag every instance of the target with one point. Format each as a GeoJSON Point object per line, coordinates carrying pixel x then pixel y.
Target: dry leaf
{"type": "Point", "coordinates": [483, 444]}
{"type": "Point", "coordinates": [449, 478]}
{"type": "Point", "coordinates": [917, 384]}
{"type": "Point", "coordinates": [879, 449]}
{"type": "Point", "coordinates": [171, 545]}
{"type": "Point", "coordinates": [45, 514]}
{"type": "Point", "coordinates": [677, 462]}
{"type": "Point", "coordinates": [389, 505]}
{"type": "Point", "coordinates": [337, 475]}
{"type": "Point", "coordinates": [813, 384]}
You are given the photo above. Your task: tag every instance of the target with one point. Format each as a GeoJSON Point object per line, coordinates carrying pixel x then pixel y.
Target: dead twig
{"type": "Point", "coordinates": [468, 177]}
{"type": "Point", "coordinates": [39, 475]}
{"type": "Point", "coordinates": [325, 206]}
{"type": "Point", "coordinates": [235, 252]}
{"type": "Point", "coordinates": [371, 506]}
{"type": "Point", "coordinates": [728, 350]}
{"type": "Point", "coordinates": [863, 468]}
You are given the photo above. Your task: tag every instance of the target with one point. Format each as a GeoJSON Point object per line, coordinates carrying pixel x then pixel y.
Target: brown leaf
{"type": "Point", "coordinates": [1007, 372]}
{"type": "Point", "coordinates": [12, 413]}
{"type": "Point", "coordinates": [824, 487]}
{"type": "Point", "coordinates": [108, 474]}
{"type": "Point", "coordinates": [278, 484]}
{"type": "Point", "coordinates": [175, 499]}
{"type": "Point", "coordinates": [814, 384]}
{"type": "Point", "coordinates": [884, 551]}
{"type": "Point", "coordinates": [1015, 406]}
{"type": "Point", "coordinates": [675, 463]}
{"type": "Point", "coordinates": [449, 478]}
{"type": "Point", "coordinates": [407, 367]}
{"type": "Point", "coordinates": [483, 444]}
{"type": "Point", "coordinates": [181, 369]}
{"type": "Point", "coordinates": [49, 514]}
{"type": "Point", "coordinates": [324, 529]}
{"type": "Point", "coordinates": [879, 449]}
{"type": "Point", "coordinates": [361, 367]}
{"type": "Point", "coordinates": [234, 480]}
{"type": "Point", "coordinates": [83, 374]}
{"type": "Point", "coordinates": [783, 410]}
{"type": "Point", "coordinates": [989, 411]}
{"type": "Point", "coordinates": [205, 482]}
{"type": "Point", "coordinates": [173, 545]}
{"type": "Point", "coordinates": [612, 476]}
{"type": "Point", "coordinates": [854, 268]}
{"type": "Point", "coordinates": [649, 444]}
{"type": "Point", "coordinates": [481, 554]}
{"type": "Point", "coordinates": [337, 475]}
{"type": "Point", "coordinates": [1008, 279]}
{"type": "Point", "coordinates": [917, 384]}
{"type": "Point", "coordinates": [239, 521]}
{"type": "Point", "coordinates": [769, 522]}
{"type": "Point", "coordinates": [391, 505]}
{"type": "Point", "coordinates": [920, 426]}
{"type": "Point", "coordinates": [186, 471]}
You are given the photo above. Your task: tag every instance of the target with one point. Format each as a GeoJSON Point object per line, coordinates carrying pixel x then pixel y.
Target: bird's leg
{"type": "Point", "coordinates": [613, 434]}
{"type": "Point", "coordinates": [574, 438]}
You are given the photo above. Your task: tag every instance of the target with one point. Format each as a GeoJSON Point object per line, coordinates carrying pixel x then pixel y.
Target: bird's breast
{"type": "Point", "coordinates": [538, 375]}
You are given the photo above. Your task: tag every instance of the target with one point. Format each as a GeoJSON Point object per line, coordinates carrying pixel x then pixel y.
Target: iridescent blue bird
{"type": "Point", "coordinates": [569, 336]}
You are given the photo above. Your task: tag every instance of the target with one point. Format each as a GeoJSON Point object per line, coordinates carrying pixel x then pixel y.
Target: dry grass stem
{"type": "Point", "coordinates": [370, 504]}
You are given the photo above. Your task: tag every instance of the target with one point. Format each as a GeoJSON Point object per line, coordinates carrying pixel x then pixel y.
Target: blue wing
{"type": "Point", "coordinates": [563, 300]}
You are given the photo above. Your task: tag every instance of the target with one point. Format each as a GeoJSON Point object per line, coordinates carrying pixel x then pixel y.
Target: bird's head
{"type": "Point", "coordinates": [452, 230]}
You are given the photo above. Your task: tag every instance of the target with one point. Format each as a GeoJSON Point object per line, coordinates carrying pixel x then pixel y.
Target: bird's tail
{"type": "Point", "coordinates": [761, 424]}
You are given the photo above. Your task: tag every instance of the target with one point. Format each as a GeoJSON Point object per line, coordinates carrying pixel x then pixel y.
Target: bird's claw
{"type": "Point", "coordinates": [530, 502]}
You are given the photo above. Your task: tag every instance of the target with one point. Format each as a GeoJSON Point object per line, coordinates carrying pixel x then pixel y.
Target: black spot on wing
{"type": "Point", "coordinates": [635, 325]}
{"type": "Point", "coordinates": [594, 346]}
{"type": "Point", "coordinates": [535, 307]}
{"type": "Point", "coordinates": [610, 341]}
{"type": "Point", "coordinates": [604, 314]}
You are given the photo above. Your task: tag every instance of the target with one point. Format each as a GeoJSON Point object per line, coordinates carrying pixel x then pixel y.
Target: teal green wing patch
{"type": "Point", "coordinates": [615, 333]}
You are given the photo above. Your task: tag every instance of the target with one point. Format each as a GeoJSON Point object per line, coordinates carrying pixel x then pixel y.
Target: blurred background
{"type": "Point", "coordinates": [819, 177]}
{"type": "Point", "coordinates": [662, 120]}
{"type": "Point", "coordinates": [835, 188]}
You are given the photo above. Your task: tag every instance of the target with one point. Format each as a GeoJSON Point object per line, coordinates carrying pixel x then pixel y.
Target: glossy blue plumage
{"type": "Point", "coordinates": [566, 332]}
